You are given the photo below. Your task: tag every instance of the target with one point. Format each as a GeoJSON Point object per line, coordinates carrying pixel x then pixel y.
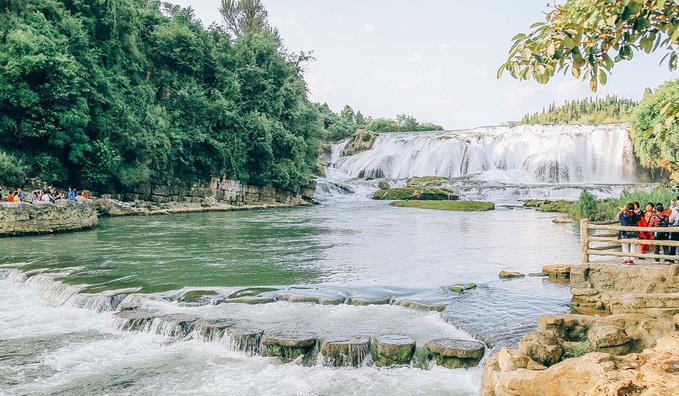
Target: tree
{"type": "Point", "coordinates": [243, 17]}
{"type": "Point", "coordinates": [590, 36]}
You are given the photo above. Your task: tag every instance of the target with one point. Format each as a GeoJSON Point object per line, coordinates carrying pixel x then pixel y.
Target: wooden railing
{"type": "Point", "coordinates": [605, 234]}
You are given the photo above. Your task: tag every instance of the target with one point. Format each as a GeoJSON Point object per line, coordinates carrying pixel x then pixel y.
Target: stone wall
{"type": "Point", "coordinates": [218, 190]}
{"type": "Point", "coordinates": [649, 289]}
{"type": "Point", "coordinates": [24, 218]}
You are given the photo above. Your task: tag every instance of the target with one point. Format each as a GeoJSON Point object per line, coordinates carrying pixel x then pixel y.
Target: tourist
{"type": "Point", "coordinates": [71, 194]}
{"type": "Point", "coordinates": [644, 221]}
{"type": "Point", "coordinates": [85, 195]}
{"type": "Point", "coordinates": [660, 219]}
{"type": "Point", "coordinates": [47, 198]}
{"type": "Point", "coordinates": [674, 222]}
{"type": "Point", "coordinates": [17, 198]}
{"type": "Point", "coordinates": [20, 194]}
{"type": "Point", "coordinates": [628, 218]}
{"type": "Point", "coordinates": [10, 197]}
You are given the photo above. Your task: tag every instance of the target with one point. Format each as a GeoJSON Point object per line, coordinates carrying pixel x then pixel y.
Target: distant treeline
{"type": "Point", "coordinates": [341, 126]}
{"type": "Point", "coordinates": [610, 109]}
{"type": "Point", "coordinates": [112, 93]}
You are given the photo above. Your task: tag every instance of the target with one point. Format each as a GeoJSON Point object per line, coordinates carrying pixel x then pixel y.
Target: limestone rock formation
{"type": "Point", "coordinates": [41, 218]}
{"type": "Point", "coordinates": [510, 274]}
{"type": "Point", "coordinates": [388, 350]}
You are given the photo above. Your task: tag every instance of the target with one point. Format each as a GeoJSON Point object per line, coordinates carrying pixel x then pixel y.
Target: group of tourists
{"type": "Point", "coordinates": [652, 215]}
{"type": "Point", "coordinates": [43, 196]}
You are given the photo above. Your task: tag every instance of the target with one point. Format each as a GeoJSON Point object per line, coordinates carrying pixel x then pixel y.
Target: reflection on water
{"type": "Point", "coordinates": [350, 244]}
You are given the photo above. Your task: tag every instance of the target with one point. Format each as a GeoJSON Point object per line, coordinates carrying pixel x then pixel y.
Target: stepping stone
{"type": "Point", "coordinates": [322, 297]}
{"type": "Point", "coordinates": [452, 353]}
{"type": "Point", "coordinates": [557, 271]}
{"type": "Point", "coordinates": [244, 339]}
{"type": "Point", "coordinates": [362, 301]}
{"type": "Point", "coordinates": [213, 329]}
{"type": "Point", "coordinates": [389, 350]}
{"type": "Point", "coordinates": [345, 351]}
{"type": "Point", "coordinates": [510, 274]}
{"type": "Point", "coordinates": [425, 306]}
{"type": "Point", "coordinates": [288, 345]}
{"type": "Point", "coordinates": [460, 287]}
{"type": "Point", "coordinates": [175, 325]}
{"type": "Point", "coordinates": [250, 300]}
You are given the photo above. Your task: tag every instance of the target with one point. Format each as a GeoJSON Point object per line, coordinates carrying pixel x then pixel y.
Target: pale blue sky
{"type": "Point", "coordinates": [434, 59]}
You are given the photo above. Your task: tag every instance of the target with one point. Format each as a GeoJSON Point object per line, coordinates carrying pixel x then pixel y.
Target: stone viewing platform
{"type": "Point", "coordinates": [46, 218]}
{"type": "Point", "coordinates": [623, 340]}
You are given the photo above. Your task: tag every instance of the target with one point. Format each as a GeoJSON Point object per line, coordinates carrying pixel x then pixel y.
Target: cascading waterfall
{"type": "Point", "coordinates": [558, 154]}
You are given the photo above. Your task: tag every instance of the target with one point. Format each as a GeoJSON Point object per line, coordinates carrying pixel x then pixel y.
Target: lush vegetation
{"type": "Point", "coordinates": [343, 125]}
{"type": "Point", "coordinates": [655, 129]}
{"type": "Point", "coordinates": [413, 193]}
{"type": "Point", "coordinates": [109, 94]}
{"type": "Point", "coordinates": [464, 206]}
{"type": "Point", "coordinates": [590, 36]}
{"type": "Point", "coordinates": [606, 110]}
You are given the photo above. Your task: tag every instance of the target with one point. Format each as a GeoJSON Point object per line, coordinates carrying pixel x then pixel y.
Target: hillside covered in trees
{"type": "Point", "coordinates": [110, 94]}
{"type": "Point", "coordinates": [610, 109]}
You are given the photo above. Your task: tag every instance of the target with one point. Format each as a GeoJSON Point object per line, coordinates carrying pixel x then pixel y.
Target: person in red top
{"type": "Point", "coordinates": [644, 221]}
{"type": "Point", "coordinates": [660, 218]}
{"type": "Point", "coordinates": [10, 197]}
{"type": "Point", "coordinates": [85, 195]}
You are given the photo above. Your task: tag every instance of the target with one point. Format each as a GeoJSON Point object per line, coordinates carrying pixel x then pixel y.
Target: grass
{"type": "Point", "coordinates": [557, 206]}
{"type": "Point", "coordinates": [465, 206]}
{"type": "Point", "coordinates": [413, 193]}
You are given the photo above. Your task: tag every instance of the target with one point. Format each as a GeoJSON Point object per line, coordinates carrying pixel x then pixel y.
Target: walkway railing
{"type": "Point", "coordinates": [606, 235]}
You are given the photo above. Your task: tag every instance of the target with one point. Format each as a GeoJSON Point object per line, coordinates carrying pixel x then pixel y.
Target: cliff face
{"type": "Point", "coordinates": [630, 347]}
{"type": "Point", "coordinates": [23, 218]}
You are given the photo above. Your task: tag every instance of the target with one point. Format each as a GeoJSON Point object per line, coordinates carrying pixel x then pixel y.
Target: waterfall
{"type": "Point", "coordinates": [556, 154]}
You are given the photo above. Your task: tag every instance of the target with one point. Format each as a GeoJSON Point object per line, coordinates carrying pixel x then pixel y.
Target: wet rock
{"type": "Point", "coordinates": [175, 325]}
{"type": "Point", "coordinates": [369, 300]}
{"type": "Point", "coordinates": [510, 274]}
{"type": "Point", "coordinates": [348, 351]}
{"type": "Point", "coordinates": [454, 353]}
{"type": "Point", "coordinates": [389, 350]}
{"type": "Point", "coordinates": [542, 346]}
{"type": "Point", "coordinates": [460, 287]}
{"type": "Point", "coordinates": [510, 359]}
{"type": "Point", "coordinates": [323, 297]}
{"type": "Point", "coordinates": [137, 300]}
{"type": "Point", "coordinates": [252, 292]}
{"type": "Point", "coordinates": [250, 300]}
{"type": "Point", "coordinates": [213, 329]}
{"type": "Point", "coordinates": [562, 219]}
{"type": "Point", "coordinates": [134, 319]}
{"type": "Point", "coordinates": [557, 271]}
{"type": "Point", "coordinates": [199, 297]}
{"type": "Point", "coordinates": [244, 339]}
{"type": "Point", "coordinates": [288, 345]}
{"type": "Point", "coordinates": [422, 305]}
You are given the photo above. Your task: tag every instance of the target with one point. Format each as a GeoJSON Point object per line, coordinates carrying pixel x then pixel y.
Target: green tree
{"type": "Point", "coordinates": [590, 36]}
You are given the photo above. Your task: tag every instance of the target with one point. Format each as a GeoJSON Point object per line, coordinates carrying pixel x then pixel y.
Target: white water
{"type": "Point", "coordinates": [521, 154]}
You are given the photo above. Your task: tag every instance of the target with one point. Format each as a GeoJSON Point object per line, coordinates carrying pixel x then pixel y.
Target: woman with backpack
{"type": "Point", "coordinates": [628, 218]}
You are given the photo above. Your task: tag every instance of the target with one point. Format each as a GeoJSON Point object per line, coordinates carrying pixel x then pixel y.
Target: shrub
{"type": "Point", "coordinates": [12, 170]}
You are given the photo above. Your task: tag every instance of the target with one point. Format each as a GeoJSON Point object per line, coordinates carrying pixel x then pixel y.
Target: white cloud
{"type": "Point", "coordinates": [415, 58]}
{"type": "Point", "coordinates": [518, 94]}
{"type": "Point", "coordinates": [369, 27]}
{"type": "Point", "coordinates": [444, 45]}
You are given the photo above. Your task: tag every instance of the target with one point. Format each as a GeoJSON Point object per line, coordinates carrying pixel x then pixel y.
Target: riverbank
{"type": "Point", "coordinates": [46, 218]}
{"type": "Point", "coordinates": [627, 343]}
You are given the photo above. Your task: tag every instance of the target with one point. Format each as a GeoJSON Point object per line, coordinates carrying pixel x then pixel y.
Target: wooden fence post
{"type": "Point", "coordinates": [584, 239]}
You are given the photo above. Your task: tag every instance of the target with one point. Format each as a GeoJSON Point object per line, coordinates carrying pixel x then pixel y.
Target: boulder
{"type": "Point", "coordinates": [557, 271]}
{"type": "Point", "coordinates": [542, 346]}
{"type": "Point", "coordinates": [510, 274]}
{"type": "Point", "coordinates": [608, 336]}
{"type": "Point", "coordinates": [345, 351]}
{"type": "Point", "coordinates": [288, 345]}
{"type": "Point", "coordinates": [389, 350]}
{"type": "Point", "coordinates": [454, 353]}
{"type": "Point", "coordinates": [652, 372]}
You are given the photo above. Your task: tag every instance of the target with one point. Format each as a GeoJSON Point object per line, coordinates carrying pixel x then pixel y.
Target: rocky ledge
{"type": "Point", "coordinates": [630, 347]}
{"type": "Point", "coordinates": [44, 218]}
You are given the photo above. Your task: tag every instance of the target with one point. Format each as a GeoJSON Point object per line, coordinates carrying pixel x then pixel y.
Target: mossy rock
{"type": "Point", "coordinates": [361, 140]}
{"type": "Point", "coordinates": [287, 346]}
{"type": "Point", "coordinates": [251, 292]}
{"type": "Point", "coordinates": [390, 350]}
{"type": "Point", "coordinates": [197, 296]}
{"type": "Point", "coordinates": [426, 180]}
{"type": "Point", "coordinates": [415, 193]}
{"type": "Point", "coordinates": [350, 351]}
{"type": "Point", "coordinates": [464, 206]}
{"type": "Point", "coordinates": [551, 206]}
{"type": "Point", "coordinates": [460, 287]}
{"type": "Point", "coordinates": [384, 185]}
{"type": "Point", "coordinates": [452, 353]}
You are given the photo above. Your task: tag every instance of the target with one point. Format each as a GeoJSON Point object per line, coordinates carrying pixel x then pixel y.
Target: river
{"type": "Point", "coordinates": [53, 341]}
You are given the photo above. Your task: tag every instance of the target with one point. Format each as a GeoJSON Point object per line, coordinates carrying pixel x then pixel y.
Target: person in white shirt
{"type": "Point", "coordinates": [674, 222]}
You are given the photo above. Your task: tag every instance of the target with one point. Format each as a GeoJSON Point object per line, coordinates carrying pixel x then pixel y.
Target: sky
{"type": "Point", "coordinates": [433, 59]}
